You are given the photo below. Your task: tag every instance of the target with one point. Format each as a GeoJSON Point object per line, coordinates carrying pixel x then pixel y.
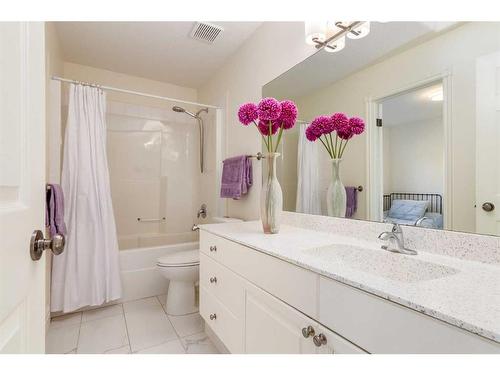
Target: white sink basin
{"type": "Point", "coordinates": [398, 267]}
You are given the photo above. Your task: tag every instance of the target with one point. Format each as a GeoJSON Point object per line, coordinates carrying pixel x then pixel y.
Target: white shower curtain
{"type": "Point", "coordinates": [308, 198]}
{"type": "Point", "coordinates": [87, 273]}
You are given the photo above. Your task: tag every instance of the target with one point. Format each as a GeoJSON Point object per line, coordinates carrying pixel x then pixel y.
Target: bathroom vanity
{"type": "Point", "coordinates": [309, 291]}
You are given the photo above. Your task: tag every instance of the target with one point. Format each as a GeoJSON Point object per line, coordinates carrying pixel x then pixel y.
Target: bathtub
{"type": "Point", "coordinates": [139, 276]}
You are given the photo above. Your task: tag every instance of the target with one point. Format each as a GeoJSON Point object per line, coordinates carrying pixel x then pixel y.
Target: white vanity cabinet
{"type": "Point", "coordinates": [257, 303]}
{"type": "Point", "coordinates": [247, 318]}
{"type": "Point", "coordinates": [273, 327]}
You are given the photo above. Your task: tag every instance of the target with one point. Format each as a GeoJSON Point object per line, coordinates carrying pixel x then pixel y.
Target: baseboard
{"type": "Point", "coordinates": [216, 340]}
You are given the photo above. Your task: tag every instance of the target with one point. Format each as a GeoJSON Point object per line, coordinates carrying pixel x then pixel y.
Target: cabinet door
{"type": "Point", "coordinates": [335, 344]}
{"type": "Point", "coordinates": [273, 327]}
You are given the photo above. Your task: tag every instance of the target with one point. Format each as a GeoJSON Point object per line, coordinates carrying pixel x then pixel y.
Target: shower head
{"type": "Point", "coordinates": [182, 110]}
{"type": "Point", "coordinates": [178, 109]}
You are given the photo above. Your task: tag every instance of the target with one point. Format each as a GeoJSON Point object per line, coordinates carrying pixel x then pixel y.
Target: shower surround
{"type": "Point", "coordinates": [153, 157]}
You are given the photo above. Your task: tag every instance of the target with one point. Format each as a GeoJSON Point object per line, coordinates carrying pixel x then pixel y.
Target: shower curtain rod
{"type": "Point", "coordinates": [109, 88]}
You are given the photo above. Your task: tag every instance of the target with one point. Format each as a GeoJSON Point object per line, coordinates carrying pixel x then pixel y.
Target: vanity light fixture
{"type": "Point", "coordinates": [331, 35]}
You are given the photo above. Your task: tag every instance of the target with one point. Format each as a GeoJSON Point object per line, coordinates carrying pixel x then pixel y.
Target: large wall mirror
{"type": "Point", "coordinates": [429, 94]}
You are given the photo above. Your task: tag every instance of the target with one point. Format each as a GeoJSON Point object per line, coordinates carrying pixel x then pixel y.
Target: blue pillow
{"type": "Point", "coordinates": [408, 209]}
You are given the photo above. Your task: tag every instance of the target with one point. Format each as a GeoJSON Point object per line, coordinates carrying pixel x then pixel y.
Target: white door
{"type": "Point", "coordinates": [22, 189]}
{"type": "Point", "coordinates": [272, 327]}
{"type": "Point", "coordinates": [488, 144]}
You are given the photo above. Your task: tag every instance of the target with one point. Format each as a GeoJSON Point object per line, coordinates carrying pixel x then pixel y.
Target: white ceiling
{"type": "Point", "coordinates": [412, 107]}
{"type": "Point", "coordinates": [161, 51]}
{"type": "Point", "coordinates": [323, 68]}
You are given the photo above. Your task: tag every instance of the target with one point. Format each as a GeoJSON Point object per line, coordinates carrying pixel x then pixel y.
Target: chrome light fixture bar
{"type": "Point", "coordinates": [318, 38]}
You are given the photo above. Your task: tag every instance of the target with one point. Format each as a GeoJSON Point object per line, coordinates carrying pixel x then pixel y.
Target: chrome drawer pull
{"type": "Point", "coordinates": [213, 316]}
{"type": "Point", "coordinates": [213, 280]}
{"type": "Point", "coordinates": [213, 248]}
{"type": "Point", "coordinates": [319, 340]}
{"type": "Point", "coordinates": [308, 332]}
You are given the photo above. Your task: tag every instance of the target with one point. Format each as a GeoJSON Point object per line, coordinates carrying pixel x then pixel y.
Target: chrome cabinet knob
{"type": "Point", "coordinates": [488, 206]}
{"type": "Point", "coordinates": [39, 244]}
{"type": "Point", "coordinates": [319, 340]}
{"type": "Point", "coordinates": [213, 248]}
{"type": "Point", "coordinates": [213, 316]}
{"type": "Point", "coordinates": [308, 331]}
{"type": "Point", "coordinates": [213, 280]}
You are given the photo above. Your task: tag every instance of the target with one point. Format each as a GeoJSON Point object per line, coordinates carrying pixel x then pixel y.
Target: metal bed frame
{"type": "Point", "coordinates": [435, 200]}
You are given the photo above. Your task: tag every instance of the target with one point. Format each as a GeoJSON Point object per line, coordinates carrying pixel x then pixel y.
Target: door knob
{"type": "Point", "coordinates": [213, 280]}
{"type": "Point", "coordinates": [213, 316]}
{"type": "Point", "coordinates": [319, 340]}
{"type": "Point", "coordinates": [308, 331]}
{"type": "Point", "coordinates": [488, 206]}
{"type": "Point", "coordinates": [38, 244]}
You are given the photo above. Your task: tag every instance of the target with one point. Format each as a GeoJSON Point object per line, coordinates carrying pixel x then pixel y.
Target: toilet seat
{"type": "Point", "coordinates": [180, 259]}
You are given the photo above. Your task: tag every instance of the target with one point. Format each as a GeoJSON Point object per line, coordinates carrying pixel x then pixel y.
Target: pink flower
{"type": "Point", "coordinates": [345, 134]}
{"type": "Point", "coordinates": [357, 125]}
{"type": "Point", "coordinates": [311, 133]}
{"type": "Point", "coordinates": [264, 127]}
{"type": "Point", "coordinates": [340, 121]}
{"type": "Point", "coordinates": [322, 125]}
{"type": "Point", "coordinates": [269, 109]}
{"type": "Point", "coordinates": [288, 114]}
{"type": "Point", "coordinates": [247, 113]}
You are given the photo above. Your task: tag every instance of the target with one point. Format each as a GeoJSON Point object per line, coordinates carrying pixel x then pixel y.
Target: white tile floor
{"type": "Point", "coordinates": [140, 327]}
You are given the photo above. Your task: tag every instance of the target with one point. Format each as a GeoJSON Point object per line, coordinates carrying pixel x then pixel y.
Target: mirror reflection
{"type": "Point", "coordinates": [428, 96]}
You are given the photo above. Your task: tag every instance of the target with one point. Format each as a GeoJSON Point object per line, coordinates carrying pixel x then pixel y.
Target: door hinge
{"type": "Point", "coordinates": [379, 122]}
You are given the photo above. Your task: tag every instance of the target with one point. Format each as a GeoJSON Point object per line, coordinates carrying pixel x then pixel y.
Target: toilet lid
{"type": "Point", "coordinates": [183, 258]}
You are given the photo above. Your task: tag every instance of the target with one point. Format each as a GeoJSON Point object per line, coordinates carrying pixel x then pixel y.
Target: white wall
{"type": "Point", "coordinates": [414, 163]}
{"type": "Point", "coordinates": [260, 59]}
{"type": "Point", "coordinates": [456, 52]}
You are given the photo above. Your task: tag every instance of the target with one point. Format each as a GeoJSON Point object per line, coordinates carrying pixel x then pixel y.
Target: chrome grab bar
{"type": "Point", "coordinates": [150, 220]}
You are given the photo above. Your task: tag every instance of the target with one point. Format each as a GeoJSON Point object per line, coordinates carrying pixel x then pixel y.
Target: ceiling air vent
{"type": "Point", "coordinates": [206, 32]}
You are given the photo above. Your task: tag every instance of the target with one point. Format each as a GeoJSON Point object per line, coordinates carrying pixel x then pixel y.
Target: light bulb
{"type": "Point", "coordinates": [315, 30]}
{"type": "Point", "coordinates": [362, 30]}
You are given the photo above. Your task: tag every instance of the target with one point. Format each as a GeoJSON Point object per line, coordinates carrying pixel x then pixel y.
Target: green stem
{"type": "Point", "coordinates": [327, 148]}
{"type": "Point", "coordinates": [345, 145]}
{"type": "Point", "coordinates": [279, 138]}
{"type": "Point", "coordinates": [270, 135]}
{"type": "Point", "coordinates": [262, 135]}
{"type": "Point", "coordinates": [336, 140]}
{"type": "Point", "coordinates": [334, 149]}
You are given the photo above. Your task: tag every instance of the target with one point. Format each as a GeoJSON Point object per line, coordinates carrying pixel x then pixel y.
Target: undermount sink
{"type": "Point", "coordinates": [382, 263]}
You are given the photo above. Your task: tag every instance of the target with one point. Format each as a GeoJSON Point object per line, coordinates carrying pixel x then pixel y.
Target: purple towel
{"type": "Point", "coordinates": [54, 212]}
{"type": "Point", "coordinates": [352, 200]}
{"type": "Point", "coordinates": [237, 177]}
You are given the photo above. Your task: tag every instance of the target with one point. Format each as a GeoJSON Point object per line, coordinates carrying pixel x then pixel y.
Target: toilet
{"type": "Point", "coordinates": [182, 268]}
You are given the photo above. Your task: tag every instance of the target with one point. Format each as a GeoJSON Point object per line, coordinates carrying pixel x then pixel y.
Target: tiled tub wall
{"type": "Point", "coordinates": [153, 164]}
{"type": "Point", "coordinates": [475, 247]}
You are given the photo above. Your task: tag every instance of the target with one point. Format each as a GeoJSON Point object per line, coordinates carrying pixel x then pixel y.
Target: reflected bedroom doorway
{"type": "Point", "coordinates": [410, 147]}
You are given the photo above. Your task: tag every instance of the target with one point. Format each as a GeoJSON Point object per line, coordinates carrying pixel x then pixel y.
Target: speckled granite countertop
{"type": "Point", "coordinates": [463, 293]}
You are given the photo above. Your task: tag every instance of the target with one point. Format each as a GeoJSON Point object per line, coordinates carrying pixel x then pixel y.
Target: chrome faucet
{"type": "Point", "coordinates": [202, 212]}
{"type": "Point", "coordinates": [395, 236]}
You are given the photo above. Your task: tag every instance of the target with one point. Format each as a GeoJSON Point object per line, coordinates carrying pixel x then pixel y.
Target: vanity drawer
{"type": "Point", "coordinates": [224, 284]}
{"type": "Point", "coordinates": [226, 325]}
{"type": "Point", "coordinates": [381, 326]}
{"type": "Point", "coordinates": [294, 285]}
{"type": "Point", "coordinates": [213, 246]}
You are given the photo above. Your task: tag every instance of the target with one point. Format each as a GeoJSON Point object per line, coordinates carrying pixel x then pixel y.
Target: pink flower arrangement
{"type": "Point", "coordinates": [270, 117]}
{"type": "Point", "coordinates": [345, 128]}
